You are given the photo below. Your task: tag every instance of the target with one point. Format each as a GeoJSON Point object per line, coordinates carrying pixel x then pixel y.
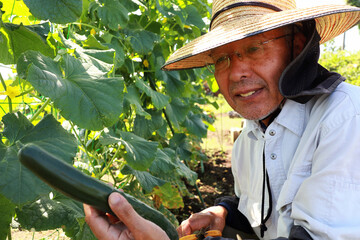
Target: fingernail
{"type": "Point", "coordinates": [114, 199]}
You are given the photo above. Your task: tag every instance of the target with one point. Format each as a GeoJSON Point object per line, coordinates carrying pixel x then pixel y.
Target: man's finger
{"type": "Point", "coordinates": [96, 220]}
{"type": "Point", "coordinates": [125, 212]}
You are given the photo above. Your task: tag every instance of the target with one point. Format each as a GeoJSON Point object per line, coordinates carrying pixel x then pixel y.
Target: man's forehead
{"type": "Point", "coordinates": [257, 37]}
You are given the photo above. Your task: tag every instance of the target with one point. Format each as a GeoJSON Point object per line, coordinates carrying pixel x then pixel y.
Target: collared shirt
{"type": "Point", "coordinates": [312, 156]}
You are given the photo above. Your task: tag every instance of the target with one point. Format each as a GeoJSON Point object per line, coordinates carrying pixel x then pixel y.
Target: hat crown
{"type": "Point", "coordinates": [218, 5]}
{"type": "Point", "coordinates": [227, 10]}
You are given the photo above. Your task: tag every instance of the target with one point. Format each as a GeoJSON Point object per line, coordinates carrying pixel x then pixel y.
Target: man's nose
{"type": "Point", "coordinates": [239, 68]}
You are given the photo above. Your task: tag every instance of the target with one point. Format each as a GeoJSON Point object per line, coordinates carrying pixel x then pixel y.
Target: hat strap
{"type": "Point", "coordinates": [240, 4]}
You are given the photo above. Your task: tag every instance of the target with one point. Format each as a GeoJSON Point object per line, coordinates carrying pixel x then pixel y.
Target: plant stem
{"type": "Point", "coordinates": [40, 110]}
{"type": "Point", "coordinates": [9, 99]}
{"type": "Point", "coordinates": [109, 163]}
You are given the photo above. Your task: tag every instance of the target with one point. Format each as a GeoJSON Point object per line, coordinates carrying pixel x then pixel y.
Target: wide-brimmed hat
{"type": "Point", "coordinates": [234, 20]}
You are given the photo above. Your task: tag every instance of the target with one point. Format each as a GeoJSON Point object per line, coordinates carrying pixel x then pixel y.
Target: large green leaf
{"type": "Point", "coordinates": [79, 90]}
{"type": "Point", "coordinates": [181, 144]}
{"type": "Point", "coordinates": [146, 180]}
{"type": "Point", "coordinates": [133, 97]}
{"type": "Point", "coordinates": [181, 169]}
{"type": "Point", "coordinates": [140, 153]}
{"type": "Point", "coordinates": [142, 41]}
{"type": "Point", "coordinates": [193, 17]}
{"type": "Point", "coordinates": [16, 39]}
{"type": "Point", "coordinates": [57, 11]}
{"type": "Point", "coordinates": [195, 125]}
{"type": "Point", "coordinates": [112, 13]}
{"type": "Point", "coordinates": [102, 59]}
{"type": "Point", "coordinates": [159, 100]}
{"type": "Point", "coordinates": [17, 183]}
{"type": "Point", "coordinates": [174, 86]}
{"type": "Point", "coordinates": [163, 164]}
{"type": "Point", "coordinates": [7, 211]}
{"type": "Point", "coordinates": [177, 111]}
{"type": "Point", "coordinates": [46, 213]}
{"type": "Point", "coordinates": [144, 127]}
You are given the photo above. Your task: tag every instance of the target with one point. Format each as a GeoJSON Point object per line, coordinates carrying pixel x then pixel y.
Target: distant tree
{"type": "Point", "coordinates": [355, 3]}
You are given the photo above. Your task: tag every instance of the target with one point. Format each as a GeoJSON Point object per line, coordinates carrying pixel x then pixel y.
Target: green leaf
{"type": "Point", "coordinates": [145, 127]}
{"type": "Point", "coordinates": [16, 39]}
{"type": "Point", "coordinates": [193, 17]}
{"type": "Point", "coordinates": [57, 11]}
{"type": "Point", "coordinates": [45, 214]}
{"type": "Point", "coordinates": [140, 153]}
{"type": "Point", "coordinates": [101, 59]}
{"type": "Point", "coordinates": [92, 42]}
{"type": "Point", "coordinates": [83, 95]}
{"type": "Point", "coordinates": [133, 97]}
{"type": "Point", "coordinates": [163, 164]}
{"type": "Point", "coordinates": [180, 143]}
{"type": "Point", "coordinates": [7, 211]}
{"type": "Point", "coordinates": [177, 111]}
{"type": "Point", "coordinates": [195, 125]}
{"type": "Point", "coordinates": [17, 183]}
{"type": "Point", "coordinates": [142, 41]}
{"type": "Point", "coordinates": [16, 127]}
{"type": "Point", "coordinates": [112, 13]}
{"type": "Point", "coordinates": [182, 171]}
{"type": "Point", "coordinates": [146, 180]}
{"type": "Point", "coordinates": [174, 86]}
{"type": "Point", "coordinates": [159, 100]}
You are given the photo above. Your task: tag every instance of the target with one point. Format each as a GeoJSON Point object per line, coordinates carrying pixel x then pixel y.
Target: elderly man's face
{"type": "Point", "coordinates": [249, 81]}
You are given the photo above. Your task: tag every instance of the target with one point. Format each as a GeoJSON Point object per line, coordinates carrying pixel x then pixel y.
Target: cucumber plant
{"type": "Point", "coordinates": [87, 88]}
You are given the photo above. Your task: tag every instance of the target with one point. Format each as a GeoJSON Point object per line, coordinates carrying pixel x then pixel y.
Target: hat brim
{"type": "Point", "coordinates": [331, 21]}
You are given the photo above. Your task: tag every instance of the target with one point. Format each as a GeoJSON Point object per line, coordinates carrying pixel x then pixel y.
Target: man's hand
{"type": "Point", "coordinates": [129, 224]}
{"type": "Point", "coordinates": [213, 217]}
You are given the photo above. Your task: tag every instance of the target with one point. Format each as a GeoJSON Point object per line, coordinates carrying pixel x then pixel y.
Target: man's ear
{"type": "Point", "coordinates": [299, 43]}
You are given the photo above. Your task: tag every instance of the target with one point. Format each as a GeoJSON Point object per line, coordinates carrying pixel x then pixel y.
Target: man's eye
{"type": "Point", "coordinates": [221, 60]}
{"type": "Point", "coordinates": [253, 49]}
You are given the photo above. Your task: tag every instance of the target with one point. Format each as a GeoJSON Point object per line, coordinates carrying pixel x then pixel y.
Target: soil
{"type": "Point", "coordinates": [215, 181]}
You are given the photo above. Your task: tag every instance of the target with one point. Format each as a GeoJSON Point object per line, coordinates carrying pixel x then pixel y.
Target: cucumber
{"type": "Point", "coordinates": [81, 187]}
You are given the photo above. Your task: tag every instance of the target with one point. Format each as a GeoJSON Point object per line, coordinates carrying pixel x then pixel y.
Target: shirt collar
{"type": "Point", "coordinates": [292, 117]}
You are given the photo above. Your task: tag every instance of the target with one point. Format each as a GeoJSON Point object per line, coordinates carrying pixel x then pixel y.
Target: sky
{"type": "Point", "coordinates": [352, 36]}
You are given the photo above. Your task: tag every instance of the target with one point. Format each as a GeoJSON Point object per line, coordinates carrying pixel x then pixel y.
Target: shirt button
{"type": "Point", "coordinates": [272, 132]}
{"type": "Point", "coordinates": [273, 156]}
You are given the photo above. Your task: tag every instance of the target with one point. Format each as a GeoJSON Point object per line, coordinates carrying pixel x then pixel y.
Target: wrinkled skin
{"type": "Point", "coordinates": [251, 87]}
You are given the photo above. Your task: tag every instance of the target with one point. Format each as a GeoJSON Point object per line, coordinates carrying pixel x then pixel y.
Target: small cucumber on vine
{"type": "Point", "coordinates": [81, 187]}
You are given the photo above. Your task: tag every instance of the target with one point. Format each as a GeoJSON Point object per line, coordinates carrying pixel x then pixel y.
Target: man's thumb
{"type": "Point", "coordinates": [123, 210]}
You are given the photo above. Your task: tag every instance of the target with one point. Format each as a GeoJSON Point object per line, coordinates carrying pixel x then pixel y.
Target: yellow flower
{"type": "Point", "coordinates": [92, 31]}
{"type": "Point", "coordinates": [146, 63]}
{"type": "Point", "coordinates": [11, 92]}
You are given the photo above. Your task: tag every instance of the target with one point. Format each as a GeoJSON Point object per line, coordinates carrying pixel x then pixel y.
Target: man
{"type": "Point", "coordinates": [295, 164]}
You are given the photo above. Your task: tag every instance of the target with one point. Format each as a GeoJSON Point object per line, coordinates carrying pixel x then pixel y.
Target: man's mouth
{"type": "Point", "coordinates": [247, 94]}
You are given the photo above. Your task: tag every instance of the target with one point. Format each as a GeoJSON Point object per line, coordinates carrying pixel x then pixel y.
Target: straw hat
{"type": "Point", "coordinates": [234, 20]}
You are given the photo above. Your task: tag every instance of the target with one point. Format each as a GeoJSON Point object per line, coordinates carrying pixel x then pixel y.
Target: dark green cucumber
{"type": "Point", "coordinates": [81, 187]}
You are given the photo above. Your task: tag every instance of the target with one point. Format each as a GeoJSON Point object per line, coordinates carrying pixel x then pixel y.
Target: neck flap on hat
{"type": "Point", "coordinates": [304, 78]}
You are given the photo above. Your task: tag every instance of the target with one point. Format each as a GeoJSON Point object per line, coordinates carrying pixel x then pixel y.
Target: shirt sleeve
{"type": "Point", "coordinates": [327, 203]}
{"type": "Point", "coordinates": [234, 218]}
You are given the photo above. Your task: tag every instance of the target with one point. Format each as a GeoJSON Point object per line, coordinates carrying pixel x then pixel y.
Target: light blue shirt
{"type": "Point", "coordinates": [312, 155]}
